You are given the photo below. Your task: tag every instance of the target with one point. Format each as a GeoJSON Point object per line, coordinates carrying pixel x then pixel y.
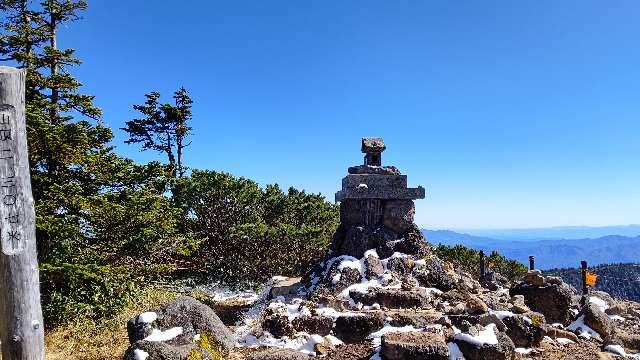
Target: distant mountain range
{"type": "Point", "coordinates": [549, 252]}
{"type": "Point", "coordinates": [557, 232]}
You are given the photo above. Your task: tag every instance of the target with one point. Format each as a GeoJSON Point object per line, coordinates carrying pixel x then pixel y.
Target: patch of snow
{"type": "Point", "coordinates": [616, 318]}
{"type": "Point", "coordinates": [603, 305]}
{"type": "Point", "coordinates": [363, 186]}
{"type": "Point", "coordinates": [159, 335]}
{"type": "Point", "coordinates": [376, 337]}
{"type": "Point", "coordinates": [502, 290]}
{"type": "Point", "coordinates": [557, 325]}
{"type": "Point", "coordinates": [454, 352]}
{"type": "Point", "coordinates": [336, 278]}
{"type": "Point", "coordinates": [421, 262]}
{"type": "Point", "coordinates": [502, 314]}
{"type": "Point", "coordinates": [523, 350]}
{"type": "Point", "coordinates": [140, 354]}
{"type": "Point", "coordinates": [278, 278]}
{"type": "Point", "coordinates": [371, 252]}
{"type": "Point", "coordinates": [375, 306]}
{"type": "Point", "coordinates": [333, 341]}
{"type": "Point", "coordinates": [484, 337]}
{"type": "Point", "coordinates": [619, 350]}
{"type": "Point", "coordinates": [147, 317]}
{"type": "Point", "coordinates": [582, 328]}
{"type": "Point", "coordinates": [564, 341]}
{"type": "Point", "coordinates": [351, 263]}
{"type": "Point", "coordinates": [309, 346]}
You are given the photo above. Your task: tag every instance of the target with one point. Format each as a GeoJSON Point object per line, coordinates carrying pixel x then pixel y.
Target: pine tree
{"type": "Point", "coordinates": [163, 128]}
{"type": "Point", "coordinates": [93, 207]}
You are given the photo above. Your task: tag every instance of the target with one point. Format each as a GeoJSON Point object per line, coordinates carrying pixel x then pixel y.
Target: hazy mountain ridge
{"type": "Point", "coordinates": [550, 253]}
{"type": "Point", "coordinates": [556, 232]}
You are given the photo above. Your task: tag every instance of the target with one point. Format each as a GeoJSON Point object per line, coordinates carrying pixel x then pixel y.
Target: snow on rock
{"type": "Point", "coordinates": [147, 317]}
{"type": "Point", "coordinates": [454, 351]}
{"type": "Point", "coordinates": [564, 341]}
{"type": "Point", "coordinates": [619, 350]}
{"type": "Point", "coordinates": [502, 314]}
{"type": "Point", "coordinates": [484, 337]}
{"type": "Point", "coordinates": [583, 329]}
{"type": "Point", "coordinates": [159, 335]}
{"type": "Point", "coordinates": [601, 304]}
{"type": "Point", "coordinates": [376, 337]}
{"type": "Point", "coordinates": [140, 354]}
{"type": "Point", "coordinates": [616, 318]}
{"type": "Point", "coordinates": [523, 350]}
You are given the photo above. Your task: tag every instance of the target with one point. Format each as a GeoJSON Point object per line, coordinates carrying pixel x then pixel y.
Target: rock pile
{"type": "Point", "coordinates": [381, 294]}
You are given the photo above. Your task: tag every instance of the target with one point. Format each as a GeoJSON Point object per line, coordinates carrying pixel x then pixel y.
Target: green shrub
{"type": "Point", "coordinates": [72, 291]}
{"type": "Point", "coordinates": [469, 259]}
{"type": "Point", "coordinates": [250, 233]}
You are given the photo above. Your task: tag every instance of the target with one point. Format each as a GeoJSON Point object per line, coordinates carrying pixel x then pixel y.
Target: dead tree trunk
{"type": "Point", "coordinates": [21, 328]}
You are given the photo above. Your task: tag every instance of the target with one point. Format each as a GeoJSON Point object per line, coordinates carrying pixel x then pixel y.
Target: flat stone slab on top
{"type": "Point", "coordinates": [384, 194]}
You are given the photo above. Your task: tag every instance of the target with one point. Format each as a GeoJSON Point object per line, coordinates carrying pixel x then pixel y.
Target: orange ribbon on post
{"type": "Point", "coordinates": [591, 278]}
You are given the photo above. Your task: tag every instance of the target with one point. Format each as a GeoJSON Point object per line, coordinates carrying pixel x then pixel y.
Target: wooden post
{"type": "Point", "coordinates": [21, 328]}
{"type": "Point", "coordinates": [585, 289]}
{"type": "Point", "coordinates": [482, 266]}
{"type": "Point", "coordinates": [532, 263]}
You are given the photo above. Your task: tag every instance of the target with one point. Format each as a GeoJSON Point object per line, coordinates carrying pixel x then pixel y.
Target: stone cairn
{"type": "Point", "coordinates": [376, 221]}
{"type": "Point", "coordinates": [377, 209]}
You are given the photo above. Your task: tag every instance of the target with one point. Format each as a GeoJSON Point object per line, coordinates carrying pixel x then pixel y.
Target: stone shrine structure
{"type": "Point", "coordinates": [376, 208]}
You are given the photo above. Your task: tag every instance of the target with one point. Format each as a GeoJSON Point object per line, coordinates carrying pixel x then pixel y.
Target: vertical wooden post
{"type": "Point", "coordinates": [585, 289]}
{"type": "Point", "coordinates": [532, 262]}
{"type": "Point", "coordinates": [21, 328]}
{"type": "Point", "coordinates": [482, 266]}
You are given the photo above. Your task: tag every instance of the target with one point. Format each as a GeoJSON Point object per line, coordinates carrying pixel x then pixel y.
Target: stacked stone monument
{"type": "Point", "coordinates": [377, 209]}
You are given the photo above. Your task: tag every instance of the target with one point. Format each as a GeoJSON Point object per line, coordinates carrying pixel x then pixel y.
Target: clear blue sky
{"type": "Point", "coordinates": [511, 114]}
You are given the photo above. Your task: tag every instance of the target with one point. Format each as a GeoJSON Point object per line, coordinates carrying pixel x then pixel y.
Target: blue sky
{"type": "Point", "coordinates": [511, 114]}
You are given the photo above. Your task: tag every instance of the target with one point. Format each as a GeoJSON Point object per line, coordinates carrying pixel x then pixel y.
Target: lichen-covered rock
{"type": "Point", "coordinates": [399, 214]}
{"type": "Point", "coordinates": [351, 329]}
{"type": "Point", "coordinates": [433, 274]}
{"type": "Point", "coordinates": [278, 354]}
{"type": "Point", "coordinates": [357, 240]}
{"type": "Point", "coordinates": [400, 265]}
{"type": "Point", "coordinates": [414, 346]}
{"type": "Point", "coordinates": [320, 325]}
{"type": "Point", "coordinates": [523, 332]}
{"type": "Point", "coordinates": [372, 267]}
{"type": "Point", "coordinates": [393, 298]}
{"type": "Point", "coordinates": [169, 332]}
{"type": "Point", "coordinates": [278, 325]}
{"type": "Point", "coordinates": [503, 349]}
{"type": "Point", "coordinates": [475, 305]}
{"type": "Point", "coordinates": [552, 300]}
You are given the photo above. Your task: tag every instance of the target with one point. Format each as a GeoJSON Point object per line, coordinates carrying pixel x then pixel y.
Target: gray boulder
{"type": "Point", "coordinates": [503, 350]}
{"type": "Point", "coordinates": [278, 354]}
{"type": "Point", "coordinates": [552, 300]}
{"type": "Point", "coordinates": [393, 298]}
{"type": "Point", "coordinates": [433, 274]}
{"type": "Point", "coordinates": [597, 320]}
{"type": "Point", "coordinates": [399, 214]}
{"type": "Point", "coordinates": [414, 346]}
{"type": "Point", "coordinates": [522, 331]}
{"type": "Point", "coordinates": [179, 324]}
{"type": "Point", "coordinates": [352, 329]}
{"type": "Point", "coordinates": [372, 267]}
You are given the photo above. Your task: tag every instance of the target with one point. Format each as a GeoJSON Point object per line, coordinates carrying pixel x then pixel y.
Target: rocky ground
{"type": "Point", "coordinates": [400, 307]}
{"type": "Point", "coordinates": [381, 294]}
